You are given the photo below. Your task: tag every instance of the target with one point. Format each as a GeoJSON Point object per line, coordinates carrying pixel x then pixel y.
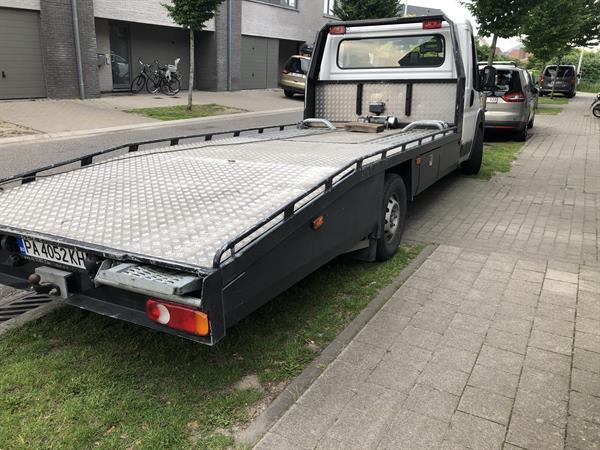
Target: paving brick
{"type": "Point", "coordinates": [555, 326]}
{"type": "Point", "coordinates": [500, 359]}
{"type": "Point", "coordinates": [470, 323]}
{"type": "Point", "coordinates": [490, 286]}
{"type": "Point", "coordinates": [530, 434]}
{"type": "Point", "coordinates": [414, 431]}
{"type": "Point", "coordinates": [419, 337]}
{"type": "Point", "coordinates": [431, 321]}
{"type": "Point", "coordinates": [544, 360]}
{"type": "Point", "coordinates": [475, 432]}
{"type": "Point", "coordinates": [303, 427]}
{"type": "Point", "coordinates": [409, 354]}
{"type": "Point", "coordinates": [586, 360]}
{"type": "Point", "coordinates": [511, 325]}
{"type": "Point", "coordinates": [585, 382]}
{"type": "Point", "coordinates": [585, 406]}
{"type": "Point", "coordinates": [362, 428]}
{"type": "Point", "coordinates": [525, 286]}
{"type": "Point", "coordinates": [443, 378]}
{"type": "Point", "coordinates": [563, 266]}
{"type": "Point", "coordinates": [552, 311]}
{"type": "Point", "coordinates": [454, 358]}
{"type": "Point", "coordinates": [588, 326]}
{"type": "Point", "coordinates": [515, 295]}
{"type": "Point", "coordinates": [516, 343]}
{"type": "Point", "coordinates": [527, 275]}
{"type": "Point", "coordinates": [462, 339]}
{"type": "Point", "coordinates": [394, 374]}
{"type": "Point", "coordinates": [560, 287]}
{"type": "Point", "coordinates": [383, 329]}
{"type": "Point", "coordinates": [272, 440]}
{"type": "Point", "coordinates": [582, 434]}
{"type": "Point", "coordinates": [432, 402]}
{"type": "Point", "coordinates": [559, 275]}
{"type": "Point", "coordinates": [515, 311]}
{"type": "Point", "coordinates": [486, 405]}
{"type": "Point", "coordinates": [541, 408]}
{"type": "Point", "coordinates": [474, 308]}
{"type": "Point", "coordinates": [556, 298]}
{"type": "Point", "coordinates": [534, 265]}
{"type": "Point", "coordinates": [494, 275]}
{"type": "Point", "coordinates": [587, 341]}
{"type": "Point", "coordinates": [551, 342]}
{"type": "Point", "coordinates": [439, 307]}
{"type": "Point", "coordinates": [555, 386]}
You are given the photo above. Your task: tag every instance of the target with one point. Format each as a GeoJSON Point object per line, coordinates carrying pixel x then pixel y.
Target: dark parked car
{"type": "Point", "coordinates": [565, 82]}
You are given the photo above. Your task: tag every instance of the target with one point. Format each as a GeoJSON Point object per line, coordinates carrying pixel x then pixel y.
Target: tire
{"type": "Point", "coordinates": [170, 87]}
{"type": "Point", "coordinates": [473, 164]}
{"type": "Point", "coordinates": [596, 110]}
{"type": "Point", "coordinates": [288, 94]}
{"type": "Point", "coordinates": [138, 84]}
{"type": "Point", "coordinates": [153, 84]}
{"type": "Point", "coordinates": [521, 135]}
{"type": "Point", "coordinates": [393, 217]}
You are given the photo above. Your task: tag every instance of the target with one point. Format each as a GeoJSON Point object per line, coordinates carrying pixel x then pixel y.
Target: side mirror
{"type": "Point", "coordinates": [488, 79]}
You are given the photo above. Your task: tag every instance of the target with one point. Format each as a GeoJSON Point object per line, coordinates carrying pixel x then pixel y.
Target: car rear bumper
{"type": "Point", "coordinates": [558, 89]}
{"type": "Point", "coordinates": [298, 87]}
{"type": "Point", "coordinates": [504, 125]}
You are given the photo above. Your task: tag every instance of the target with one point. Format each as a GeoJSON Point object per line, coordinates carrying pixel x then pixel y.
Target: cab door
{"type": "Point", "coordinates": [472, 102]}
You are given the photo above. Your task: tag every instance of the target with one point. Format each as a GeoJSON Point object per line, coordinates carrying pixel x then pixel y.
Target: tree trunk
{"type": "Point", "coordinates": [489, 63]}
{"type": "Point", "coordinates": [191, 82]}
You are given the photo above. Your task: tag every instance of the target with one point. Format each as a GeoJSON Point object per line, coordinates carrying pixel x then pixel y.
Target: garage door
{"type": "Point", "coordinates": [260, 62]}
{"type": "Point", "coordinates": [21, 69]}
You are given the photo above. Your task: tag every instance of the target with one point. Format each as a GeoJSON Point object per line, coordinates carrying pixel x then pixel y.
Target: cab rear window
{"type": "Point", "coordinates": [392, 52]}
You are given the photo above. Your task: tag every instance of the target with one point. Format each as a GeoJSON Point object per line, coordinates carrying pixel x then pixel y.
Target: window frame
{"type": "Point", "coordinates": [337, 58]}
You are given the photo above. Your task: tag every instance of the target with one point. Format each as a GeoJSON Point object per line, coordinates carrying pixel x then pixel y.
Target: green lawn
{"type": "Point", "coordinates": [181, 112]}
{"type": "Point", "coordinates": [75, 379]}
{"type": "Point", "coordinates": [557, 100]}
{"type": "Point", "coordinates": [548, 110]}
{"type": "Point", "coordinates": [497, 157]}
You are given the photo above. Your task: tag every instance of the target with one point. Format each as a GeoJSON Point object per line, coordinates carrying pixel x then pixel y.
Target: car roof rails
{"type": "Point", "coordinates": [498, 63]}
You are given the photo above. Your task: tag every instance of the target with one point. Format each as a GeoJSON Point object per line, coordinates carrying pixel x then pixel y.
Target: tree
{"type": "Point", "coordinates": [366, 9]}
{"type": "Point", "coordinates": [192, 15]}
{"type": "Point", "coordinates": [499, 18]}
{"type": "Point", "coordinates": [553, 29]}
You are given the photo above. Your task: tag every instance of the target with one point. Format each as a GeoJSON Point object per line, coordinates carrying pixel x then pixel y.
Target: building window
{"type": "Point", "coordinates": [328, 7]}
{"type": "Point", "coordinates": [286, 3]}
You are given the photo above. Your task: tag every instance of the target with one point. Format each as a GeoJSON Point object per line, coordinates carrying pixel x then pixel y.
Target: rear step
{"type": "Point", "coordinates": [146, 279]}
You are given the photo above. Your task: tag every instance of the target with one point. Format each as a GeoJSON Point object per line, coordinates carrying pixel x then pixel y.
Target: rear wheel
{"type": "Point", "coordinates": [393, 217]}
{"type": "Point", "coordinates": [596, 110]}
{"type": "Point", "coordinates": [288, 94]}
{"type": "Point", "coordinates": [521, 135]}
{"type": "Point", "coordinates": [138, 84]}
{"type": "Point", "coordinates": [153, 84]}
{"type": "Point", "coordinates": [473, 164]}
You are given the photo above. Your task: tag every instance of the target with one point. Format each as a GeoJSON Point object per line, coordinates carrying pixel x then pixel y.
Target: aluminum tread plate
{"type": "Point", "coordinates": [180, 203]}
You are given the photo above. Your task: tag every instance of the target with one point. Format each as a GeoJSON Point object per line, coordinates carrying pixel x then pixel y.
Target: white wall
{"type": "Point", "coordinates": [21, 4]}
{"type": "Point", "coordinates": [141, 11]}
{"type": "Point", "coordinates": [260, 19]}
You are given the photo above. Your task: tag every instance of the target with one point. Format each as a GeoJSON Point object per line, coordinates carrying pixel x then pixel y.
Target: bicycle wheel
{"type": "Point", "coordinates": [153, 84]}
{"type": "Point", "coordinates": [170, 87]}
{"type": "Point", "coordinates": [138, 83]}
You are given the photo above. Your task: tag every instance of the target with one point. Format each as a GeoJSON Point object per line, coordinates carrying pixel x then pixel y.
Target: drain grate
{"type": "Point", "coordinates": [22, 304]}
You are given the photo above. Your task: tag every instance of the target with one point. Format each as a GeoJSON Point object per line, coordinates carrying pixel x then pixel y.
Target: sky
{"type": "Point", "coordinates": [457, 12]}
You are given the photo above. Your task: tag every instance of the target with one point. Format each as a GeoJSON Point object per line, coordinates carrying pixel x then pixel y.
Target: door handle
{"type": "Point", "coordinates": [3, 74]}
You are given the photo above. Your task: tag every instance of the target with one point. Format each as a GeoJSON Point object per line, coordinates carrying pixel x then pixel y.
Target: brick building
{"type": "Point", "coordinates": [244, 47]}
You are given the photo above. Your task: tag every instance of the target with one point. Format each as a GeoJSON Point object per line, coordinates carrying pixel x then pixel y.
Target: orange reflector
{"type": "Point", "coordinates": [418, 161]}
{"type": "Point", "coordinates": [318, 223]}
{"type": "Point", "coordinates": [177, 316]}
{"type": "Point", "coordinates": [337, 29]}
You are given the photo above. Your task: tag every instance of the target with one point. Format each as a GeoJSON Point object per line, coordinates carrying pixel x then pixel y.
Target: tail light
{"type": "Point", "coordinates": [432, 24]}
{"type": "Point", "coordinates": [337, 29]}
{"type": "Point", "coordinates": [178, 317]}
{"type": "Point", "coordinates": [513, 97]}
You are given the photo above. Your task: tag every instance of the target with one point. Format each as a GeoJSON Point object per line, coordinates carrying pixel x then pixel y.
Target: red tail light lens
{"type": "Point", "coordinates": [178, 317]}
{"type": "Point", "coordinates": [513, 97]}
{"type": "Point", "coordinates": [431, 24]}
{"type": "Point", "coordinates": [337, 29]}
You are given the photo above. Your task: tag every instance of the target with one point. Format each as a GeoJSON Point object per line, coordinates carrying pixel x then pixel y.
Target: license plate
{"type": "Point", "coordinates": [51, 252]}
{"type": "Point", "coordinates": [492, 99]}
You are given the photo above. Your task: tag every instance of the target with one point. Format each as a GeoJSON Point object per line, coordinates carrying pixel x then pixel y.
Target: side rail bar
{"type": "Point", "coordinates": [290, 209]}
{"type": "Point", "coordinates": [28, 177]}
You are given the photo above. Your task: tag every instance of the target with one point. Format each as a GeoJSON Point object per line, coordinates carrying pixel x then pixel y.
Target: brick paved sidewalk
{"type": "Point", "coordinates": [495, 341]}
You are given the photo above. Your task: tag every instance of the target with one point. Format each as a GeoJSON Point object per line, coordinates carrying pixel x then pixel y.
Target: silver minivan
{"type": "Point", "coordinates": [511, 106]}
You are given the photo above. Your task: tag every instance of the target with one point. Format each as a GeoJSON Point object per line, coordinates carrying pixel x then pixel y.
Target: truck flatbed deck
{"type": "Point", "coordinates": [179, 205]}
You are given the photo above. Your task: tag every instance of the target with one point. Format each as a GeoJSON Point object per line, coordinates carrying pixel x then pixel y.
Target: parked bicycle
{"type": "Point", "coordinates": [145, 79]}
{"type": "Point", "coordinates": [596, 106]}
{"type": "Point", "coordinates": [165, 78]}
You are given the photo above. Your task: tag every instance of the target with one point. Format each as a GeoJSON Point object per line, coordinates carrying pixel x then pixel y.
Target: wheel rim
{"type": "Point", "coordinates": [392, 218]}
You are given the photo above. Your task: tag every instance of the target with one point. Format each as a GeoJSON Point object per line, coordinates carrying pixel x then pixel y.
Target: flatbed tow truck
{"type": "Point", "coordinates": [191, 234]}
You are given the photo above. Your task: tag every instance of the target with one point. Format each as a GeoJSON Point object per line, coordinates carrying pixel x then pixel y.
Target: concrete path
{"type": "Point", "coordinates": [57, 116]}
{"type": "Point", "coordinates": [495, 341]}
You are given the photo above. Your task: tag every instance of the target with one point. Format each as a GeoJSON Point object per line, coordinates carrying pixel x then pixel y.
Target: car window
{"type": "Point", "coordinates": [508, 81]}
{"type": "Point", "coordinates": [563, 71]}
{"type": "Point", "coordinates": [392, 52]}
{"type": "Point", "coordinates": [297, 65]}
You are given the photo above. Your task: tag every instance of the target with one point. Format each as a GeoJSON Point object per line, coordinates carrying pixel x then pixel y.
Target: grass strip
{"type": "Point", "coordinates": [498, 157]}
{"type": "Point", "coordinates": [181, 112]}
{"type": "Point", "coordinates": [75, 379]}
{"type": "Point", "coordinates": [553, 101]}
{"type": "Point", "coordinates": [545, 110]}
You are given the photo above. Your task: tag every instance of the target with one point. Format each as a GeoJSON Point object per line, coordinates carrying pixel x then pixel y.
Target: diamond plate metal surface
{"type": "Point", "coordinates": [181, 203]}
{"type": "Point", "coordinates": [430, 101]}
